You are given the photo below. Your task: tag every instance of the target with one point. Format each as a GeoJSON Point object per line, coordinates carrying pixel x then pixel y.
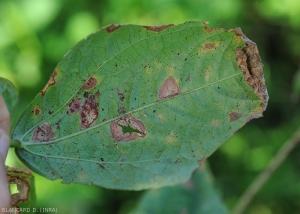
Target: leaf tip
{"type": "Point", "coordinates": [249, 62]}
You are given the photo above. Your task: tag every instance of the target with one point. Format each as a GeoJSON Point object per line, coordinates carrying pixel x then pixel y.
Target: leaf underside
{"type": "Point", "coordinates": [133, 107]}
{"type": "Point", "coordinates": [195, 196]}
{"type": "Point", "coordinates": [9, 93]}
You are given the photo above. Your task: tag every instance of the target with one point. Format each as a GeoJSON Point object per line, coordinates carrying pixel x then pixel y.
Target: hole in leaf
{"type": "Point", "coordinates": [128, 129]}
{"type": "Point", "coordinates": [13, 189]}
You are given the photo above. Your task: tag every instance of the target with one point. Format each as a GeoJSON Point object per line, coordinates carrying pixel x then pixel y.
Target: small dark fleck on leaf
{"type": "Point", "coordinates": [188, 78]}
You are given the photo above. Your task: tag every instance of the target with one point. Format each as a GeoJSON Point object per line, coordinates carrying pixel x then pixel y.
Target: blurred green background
{"type": "Point", "coordinates": [35, 34]}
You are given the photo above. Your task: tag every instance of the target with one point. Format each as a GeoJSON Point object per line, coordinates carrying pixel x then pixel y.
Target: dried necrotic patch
{"type": "Point", "coordinates": [127, 129]}
{"type": "Point", "coordinates": [50, 82]}
{"type": "Point", "coordinates": [158, 28]}
{"type": "Point", "coordinates": [88, 111]}
{"type": "Point", "coordinates": [112, 28]}
{"type": "Point", "coordinates": [169, 88]}
{"type": "Point", "coordinates": [90, 84]}
{"type": "Point", "coordinates": [43, 133]}
{"type": "Point", "coordinates": [249, 61]}
{"type": "Point", "coordinates": [19, 177]}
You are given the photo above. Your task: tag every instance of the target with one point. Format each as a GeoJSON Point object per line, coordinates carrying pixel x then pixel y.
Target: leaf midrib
{"type": "Point", "coordinates": [129, 113]}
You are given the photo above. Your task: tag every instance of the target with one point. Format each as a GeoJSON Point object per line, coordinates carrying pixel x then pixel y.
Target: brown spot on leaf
{"type": "Point", "coordinates": [90, 84]}
{"type": "Point", "coordinates": [101, 166]}
{"type": "Point", "coordinates": [127, 129]}
{"type": "Point", "coordinates": [120, 95]}
{"type": "Point", "coordinates": [37, 111]}
{"type": "Point", "coordinates": [169, 88]}
{"type": "Point", "coordinates": [74, 106]}
{"type": "Point", "coordinates": [209, 46]}
{"type": "Point", "coordinates": [209, 30]}
{"type": "Point", "coordinates": [19, 177]}
{"type": "Point", "coordinates": [249, 61]}
{"type": "Point", "coordinates": [50, 82]}
{"type": "Point", "coordinates": [233, 116]}
{"type": "Point", "coordinates": [121, 110]}
{"type": "Point", "coordinates": [188, 78]}
{"type": "Point", "coordinates": [43, 133]}
{"type": "Point", "coordinates": [112, 28]}
{"type": "Point", "coordinates": [158, 28]}
{"type": "Point", "coordinates": [88, 111]}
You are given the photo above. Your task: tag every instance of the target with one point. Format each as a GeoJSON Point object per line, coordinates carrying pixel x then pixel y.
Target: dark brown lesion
{"type": "Point", "coordinates": [43, 133]}
{"type": "Point", "coordinates": [37, 110]}
{"type": "Point", "coordinates": [74, 106]}
{"type": "Point", "coordinates": [233, 116]}
{"type": "Point", "coordinates": [121, 108]}
{"type": "Point", "coordinates": [249, 61]}
{"type": "Point", "coordinates": [157, 28]}
{"type": "Point", "coordinates": [127, 129]}
{"type": "Point", "coordinates": [89, 111]}
{"type": "Point", "coordinates": [209, 30]}
{"type": "Point", "coordinates": [90, 84]}
{"type": "Point", "coordinates": [169, 88]}
{"type": "Point", "coordinates": [209, 46]}
{"type": "Point", "coordinates": [113, 28]}
{"type": "Point", "coordinates": [120, 95]}
{"type": "Point", "coordinates": [50, 82]}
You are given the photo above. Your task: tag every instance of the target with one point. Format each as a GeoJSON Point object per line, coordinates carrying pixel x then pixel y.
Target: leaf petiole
{"type": "Point", "coordinates": [15, 144]}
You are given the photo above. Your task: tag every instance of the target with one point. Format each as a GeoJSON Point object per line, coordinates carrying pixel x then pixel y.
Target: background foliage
{"type": "Point", "coordinates": [35, 34]}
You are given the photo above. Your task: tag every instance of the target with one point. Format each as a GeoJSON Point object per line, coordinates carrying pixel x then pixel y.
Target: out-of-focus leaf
{"type": "Point", "coordinates": [296, 83]}
{"type": "Point", "coordinates": [25, 198]}
{"type": "Point", "coordinates": [197, 196]}
{"type": "Point", "coordinates": [9, 93]}
{"type": "Point", "coordinates": [134, 107]}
